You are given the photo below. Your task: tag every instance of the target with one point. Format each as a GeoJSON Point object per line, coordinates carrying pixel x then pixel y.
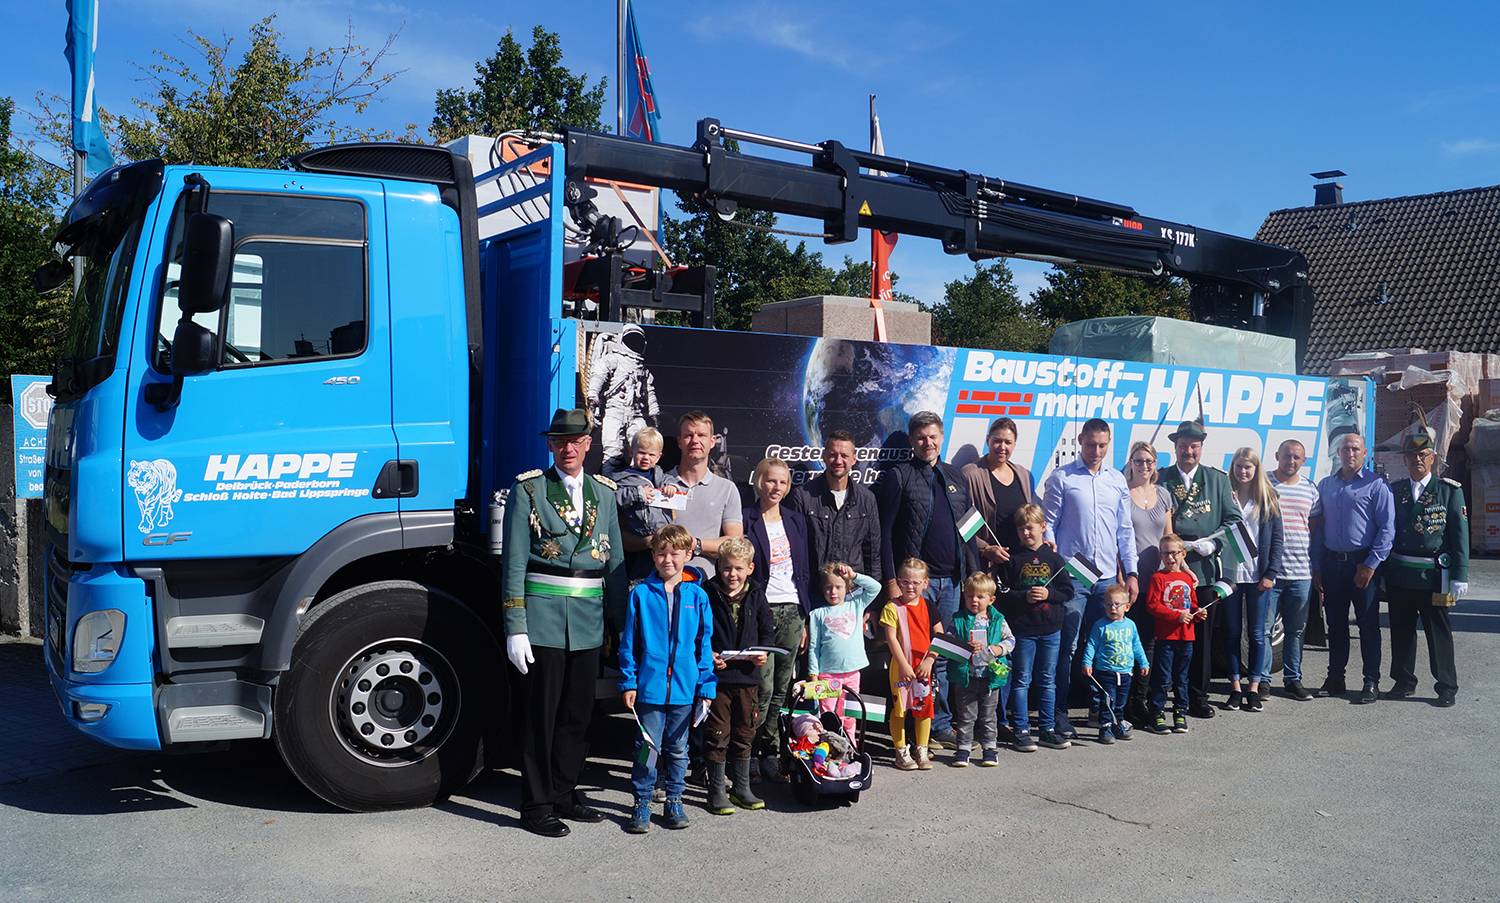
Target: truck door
{"type": "Point", "coordinates": [284, 441]}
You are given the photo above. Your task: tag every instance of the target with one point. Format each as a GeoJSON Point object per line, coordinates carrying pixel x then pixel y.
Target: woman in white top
{"type": "Point", "coordinates": [1249, 606]}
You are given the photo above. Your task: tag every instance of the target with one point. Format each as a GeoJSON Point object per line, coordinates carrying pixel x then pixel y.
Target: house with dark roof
{"type": "Point", "coordinates": [1421, 271]}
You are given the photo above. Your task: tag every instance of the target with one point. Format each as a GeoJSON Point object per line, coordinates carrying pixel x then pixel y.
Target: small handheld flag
{"type": "Point", "coordinates": [1083, 569]}
{"type": "Point", "coordinates": [950, 650]}
{"type": "Point", "coordinates": [645, 750]}
{"type": "Point", "coordinates": [1238, 545]}
{"type": "Point", "coordinates": [970, 524]}
{"type": "Point", "coordinates": [1221, 590]}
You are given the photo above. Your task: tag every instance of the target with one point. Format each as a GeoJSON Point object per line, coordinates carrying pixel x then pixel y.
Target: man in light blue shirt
{"type": "Point", "coordinates": [1087, 505]}
{"type": "Point", "coordinates": [1350, 539]}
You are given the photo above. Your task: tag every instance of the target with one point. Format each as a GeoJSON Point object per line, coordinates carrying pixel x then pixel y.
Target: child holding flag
{"type": "Point", "coordinates": [909, 627]}
{"type": "Point", "coordinates": [1170, 601]}
{"type": "Point", "coordinates": [1114, 650]}
{"type": "Point", "coordinates": [1038, 585]}
{"type": "Point", "coordinates": [666, 672]}
{"type": "Point", "coordinates": [977, 669]}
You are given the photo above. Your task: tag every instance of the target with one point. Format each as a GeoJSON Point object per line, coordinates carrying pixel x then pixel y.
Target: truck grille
{"type": "Point", "coordinates": [58, 569]}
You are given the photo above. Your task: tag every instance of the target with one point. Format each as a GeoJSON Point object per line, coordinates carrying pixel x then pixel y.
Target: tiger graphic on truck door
{"type": "Point", "coordinates": [155, 486]}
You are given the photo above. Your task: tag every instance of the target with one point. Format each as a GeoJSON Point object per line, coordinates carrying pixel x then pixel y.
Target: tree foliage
{"type": "Point", "coordinates": [257, 111]}
{"type": "Point", "coordinates": [520, 88]}
{"type": "Point", "coordinates": [1073, 293]}
{"type": "Point", "coordinates": [31, 325]}
{"type": "Point", "coordinates": [984, 310]}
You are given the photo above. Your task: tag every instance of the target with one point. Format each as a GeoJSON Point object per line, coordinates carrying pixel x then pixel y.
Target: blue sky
{"type": "Point", "coordinates": [1209, 115]}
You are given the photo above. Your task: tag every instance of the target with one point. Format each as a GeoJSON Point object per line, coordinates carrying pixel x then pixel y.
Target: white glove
{"type": "Point", "coordinates": [700, 712]}
{"type": "Point", "coordinates": [518, 650]}
{"type": "Point", "coordinates": [1459, 588]}
{"type": "Point", "coordinates": [1204, 547]}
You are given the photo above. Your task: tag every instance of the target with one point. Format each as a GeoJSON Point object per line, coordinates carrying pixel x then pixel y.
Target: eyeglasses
{"type": "Point", "coordinates": [564, 442]}
{"type": "Point", "coordinates": [1143, 462]}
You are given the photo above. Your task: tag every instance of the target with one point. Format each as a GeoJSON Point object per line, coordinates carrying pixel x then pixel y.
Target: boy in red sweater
{"type": "Point", "coordinates": [1170, 601]}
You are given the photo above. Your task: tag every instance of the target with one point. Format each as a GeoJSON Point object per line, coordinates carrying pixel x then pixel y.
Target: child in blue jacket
{"type": "Point", "coordinates": [1110, 657]}
{"type": "Point", "coordinates": [666, 672]}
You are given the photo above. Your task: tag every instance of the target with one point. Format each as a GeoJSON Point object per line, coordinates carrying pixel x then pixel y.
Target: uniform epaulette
{"type": "Point", "coordinates": [607, 482]}
{"type": "Point", "coordinates": [1452, 482]}
{"type": "Point", "coordinates": [528, 475]}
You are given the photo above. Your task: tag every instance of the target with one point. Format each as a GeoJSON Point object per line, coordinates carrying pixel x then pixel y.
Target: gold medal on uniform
{"type": "Point", "coordinates": [550, 550]}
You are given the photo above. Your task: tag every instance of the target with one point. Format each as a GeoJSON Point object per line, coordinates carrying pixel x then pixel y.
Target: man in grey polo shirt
{"type": "Point", "coordinates": [713, 503]}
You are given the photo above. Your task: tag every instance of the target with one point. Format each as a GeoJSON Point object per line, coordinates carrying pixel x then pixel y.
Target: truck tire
{"type": "Point", "coordinates": [385, 703]}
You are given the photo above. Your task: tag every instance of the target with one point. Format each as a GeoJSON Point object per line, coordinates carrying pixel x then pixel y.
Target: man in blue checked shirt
{"type": "Point", "coordinates": [1087, 505]}
{"type": "Point", "coordinates": [1350, 539]}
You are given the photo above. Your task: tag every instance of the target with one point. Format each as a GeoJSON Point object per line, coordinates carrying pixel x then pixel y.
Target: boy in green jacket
{"type": "Point", "coordinates": [974, 686]}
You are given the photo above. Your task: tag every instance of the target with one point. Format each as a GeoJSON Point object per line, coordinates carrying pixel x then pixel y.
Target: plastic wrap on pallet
{"type": "Point", "coordinates": [1445, 418]}
{"type": "Point", "coordinates": [1163, 340]}
{"type": "Point", "coordinates": [1484, 439]}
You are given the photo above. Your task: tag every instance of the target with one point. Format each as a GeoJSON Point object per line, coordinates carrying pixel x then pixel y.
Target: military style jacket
{"type": "Point", "coordinates": [1433, 524]}
{"type": "Point", "coordinates": [564, 569]}
{"type": "Point", "coordinates": [1200, 510]}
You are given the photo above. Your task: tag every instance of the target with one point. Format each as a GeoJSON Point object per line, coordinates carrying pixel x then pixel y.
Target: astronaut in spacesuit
{"type": "Point", "coordinates": [621, 389]}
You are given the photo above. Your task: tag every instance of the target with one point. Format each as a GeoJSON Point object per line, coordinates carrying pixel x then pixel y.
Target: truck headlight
{"type": "Point", "coordinates": [96, 640]}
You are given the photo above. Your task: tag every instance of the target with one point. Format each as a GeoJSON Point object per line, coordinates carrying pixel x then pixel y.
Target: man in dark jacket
{"type": "Point", "coordinates": [741, 619]}
{"type": "Point", "coordinates": [842, 515]}
{"type": "Point", "coordinates": [920, 502]}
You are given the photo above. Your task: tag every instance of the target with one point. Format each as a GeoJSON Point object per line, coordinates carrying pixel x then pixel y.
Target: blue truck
{"type": "Point", "coordinates": [292, 400]}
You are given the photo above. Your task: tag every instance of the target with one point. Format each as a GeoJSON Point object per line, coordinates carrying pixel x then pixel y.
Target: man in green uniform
{"type": "Point", "coordinates": [1428, 570]}
{"type": "Point", "coordinates": [563, 574]}
{"type": "Point", "coordinates": [1202, 505]}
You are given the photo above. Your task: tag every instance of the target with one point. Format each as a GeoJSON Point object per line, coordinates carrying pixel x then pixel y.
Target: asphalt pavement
{"type": "Point", "coordinates": [1323, 800]}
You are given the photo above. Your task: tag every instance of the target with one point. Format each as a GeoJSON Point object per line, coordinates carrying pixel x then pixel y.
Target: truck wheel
{"type": "Point", "coordinates": [385, 701]}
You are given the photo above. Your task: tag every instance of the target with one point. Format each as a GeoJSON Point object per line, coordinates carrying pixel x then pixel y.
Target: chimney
{"type": "Point", "coordinates": [1328, 193]}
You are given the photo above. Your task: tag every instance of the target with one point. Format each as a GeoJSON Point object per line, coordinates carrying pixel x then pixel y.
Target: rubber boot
{"type": "Point", "coordinates": [740, 793]}
{"type": "Point", "coordinates": [718, 798]}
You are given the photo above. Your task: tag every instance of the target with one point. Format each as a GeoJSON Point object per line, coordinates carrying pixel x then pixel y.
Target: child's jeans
{"type": "Point", "coordinates": [1034, 657]}
{"type": "Point", "coordinates": [973, 708]}
{"type": "Point", "coordinates": [1247, 608]}
{"type": "Point", "coordinates": [850, 681]}
{"type": "Point", "coordinates": [1111, 701]}
{"type": "Point", "coordinates": [1173, 657]}
{"type": "Point", "coordinates": [668, 727]}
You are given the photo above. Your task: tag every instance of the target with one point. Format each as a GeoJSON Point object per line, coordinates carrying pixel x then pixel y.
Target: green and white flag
{"type": "Point", "coordinates": [646, 752]}
{"type": "Point", "coordinates": [1083, 569]}
{"type": "Point", "coordinates": [1237, 544]}
{"type": "Point", "coordinates": [950, 650]}
{"type": "Point", "coordinates": [970, 524]}
{"type": "Point", "coordinates": [1220, 589]}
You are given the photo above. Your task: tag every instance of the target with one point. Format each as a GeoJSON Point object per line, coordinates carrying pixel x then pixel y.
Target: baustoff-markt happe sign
{"type": "Point", "coordinates": [32, 405]}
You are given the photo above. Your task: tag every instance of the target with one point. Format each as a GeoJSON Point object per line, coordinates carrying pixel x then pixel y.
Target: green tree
{"type": "Point", "coordinates": [520, 88]}
{"type": "Point", "coordinates": [1074, 293]}
{"type": "Point", "coordinates": [31, 325]}
{"type": "Point", "coordinates": [984, 310]}
{"type": "Point", "coordinates": [258, 111]}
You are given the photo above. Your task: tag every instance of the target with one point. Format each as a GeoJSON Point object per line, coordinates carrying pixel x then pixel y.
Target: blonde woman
{"type": "Point", "coordinates": [1151, 515]}
{"type": "Point", "coordinates": [1250, 605]}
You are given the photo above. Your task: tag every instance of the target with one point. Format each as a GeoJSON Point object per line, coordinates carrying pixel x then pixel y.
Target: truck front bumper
{"type": "Point", "coordinates": [130, 720]}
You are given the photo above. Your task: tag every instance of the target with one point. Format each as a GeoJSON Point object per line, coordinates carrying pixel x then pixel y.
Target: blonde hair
{"type": "Point", "coordinates": [1259, 487]}
{"type": "Point", "coordinates": [672, 536]}
{"type": "Point", "coordinates": [977, 583]}
{"type": "Point", "coordinates": [1030, 514]}
{"type": "Point", "coordinates": [915, 566]}
{"type": "Point", "coordinates": [737, 548]}
{"type": "Point", "coordinates": [835, 569]}
{"type": "Point", "coordinates": [1144, 446]}
{"type": "Point", "coordinates": [1166, 540]}
{"type": "Point", "coordinates": [768, 464]}
{"type": "Point", "coordinates": [647, 438]}
{"type": "Point", "coordinates": [1118, 591]}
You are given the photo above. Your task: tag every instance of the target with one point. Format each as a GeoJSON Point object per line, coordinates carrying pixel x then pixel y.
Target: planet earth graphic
{"type": "Point", "coordinates": [872, 389]}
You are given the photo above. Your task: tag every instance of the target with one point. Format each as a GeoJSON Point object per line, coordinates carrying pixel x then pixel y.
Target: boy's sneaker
{"type": "Point", "coordinates": [1025, 742]}
{"type": "Point", "coordinates": [1064, 729]}
{"type": "Point", "coordinates": [924, 761]}
{"type": "Point", "coordinates": [1054, 740]}
{"type": "Point", "coordinates": [640, 818]}
{"type": "Point", "coordinates": [991, 758]}
{"type": "Point", "coordinates": [904, 760]}
{"type": "Point", "coordinates": [1093, 719]}
{"type": "Point", "coordinates": [1160, 725]}
{"type": "Point", "coordinates": [960, 759]}
{"type": "Point", "coordinates": [1122, 730]}
{"type": "Point", "coordinates": [1179, 722]}
{"type": "Point", "coordinates": [658, 794]}
{"type": "Point", "coordinates": [1106, 734]}
{"type": "Point", "coordinates": [674, 816]}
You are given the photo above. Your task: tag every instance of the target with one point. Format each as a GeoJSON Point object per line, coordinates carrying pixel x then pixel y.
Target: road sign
{"type": "Point", "coordinates": [32, 405]}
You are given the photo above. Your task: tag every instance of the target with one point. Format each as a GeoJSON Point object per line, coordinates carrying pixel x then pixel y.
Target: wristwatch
{"type": "Point", "coordinates": [697, 547]}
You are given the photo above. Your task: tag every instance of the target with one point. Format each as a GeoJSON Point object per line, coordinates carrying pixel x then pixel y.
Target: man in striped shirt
{"type": "Point", "coordinates": [1298, 497]}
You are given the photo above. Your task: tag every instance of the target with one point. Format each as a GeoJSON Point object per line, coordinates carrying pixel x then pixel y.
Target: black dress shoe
{"type": "Point", "coordinates": [1446, 698]}
{"type": "Point", "coordinates": [546, 826]}
{"type": "Point", "coordinates": [1331, 688]}
{"type": "Point", "coordinates": [1369, 694]}
{"type": "Point", "coordinates": [1298, 692]}
{"type": "Point", "coordinates": [1400, 691]}
{"type": "Point", "coordinates": [1202, 710]}
{"type": "Point", "coordinates": [579, 810]}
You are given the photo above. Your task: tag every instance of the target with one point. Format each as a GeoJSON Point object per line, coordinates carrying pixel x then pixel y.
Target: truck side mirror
{"type": "Point", "coordinates": [50, 275]}
{"type": "Point", "coordinates": [207, 264]}
{"type": "Point", "coordinates": [192, 349]}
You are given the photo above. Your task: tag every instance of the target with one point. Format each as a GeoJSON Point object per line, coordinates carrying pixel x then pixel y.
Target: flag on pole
{"type": "Point", "coordinates": [970, 524]}
{"type": "Point", "coordinates": [950, 650]}
{"type": "Point", "coordinates": [645, 749]}
{"type": "Point", "coordinates": [1083, 569]}
{"type": "Point", "coordinates": [881, 243]}
{"type": "Point", "coordinates": [1236, 543]}
{"type": "Point", "coordinates": [641, 114]}
{"type": "Point", "coordinates": [1220, 589]}
{"type": "Point", "coordinates": [82, 42]}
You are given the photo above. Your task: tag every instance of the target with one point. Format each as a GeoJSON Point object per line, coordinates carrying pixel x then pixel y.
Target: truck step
{"type": "Point", "coordinates": [214, 722]}
{"type": "Point", "coordinates": [213, 631]}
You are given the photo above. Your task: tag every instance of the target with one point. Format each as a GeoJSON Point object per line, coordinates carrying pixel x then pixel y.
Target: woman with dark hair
{"type": "Point", "coordinates": [998, 487]}
{"type": "Point", "coordinates": [1151, 516]}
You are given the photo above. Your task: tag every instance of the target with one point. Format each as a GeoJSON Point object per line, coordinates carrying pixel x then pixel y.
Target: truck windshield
{"type": "Point", "coordinates": [102, 228]}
